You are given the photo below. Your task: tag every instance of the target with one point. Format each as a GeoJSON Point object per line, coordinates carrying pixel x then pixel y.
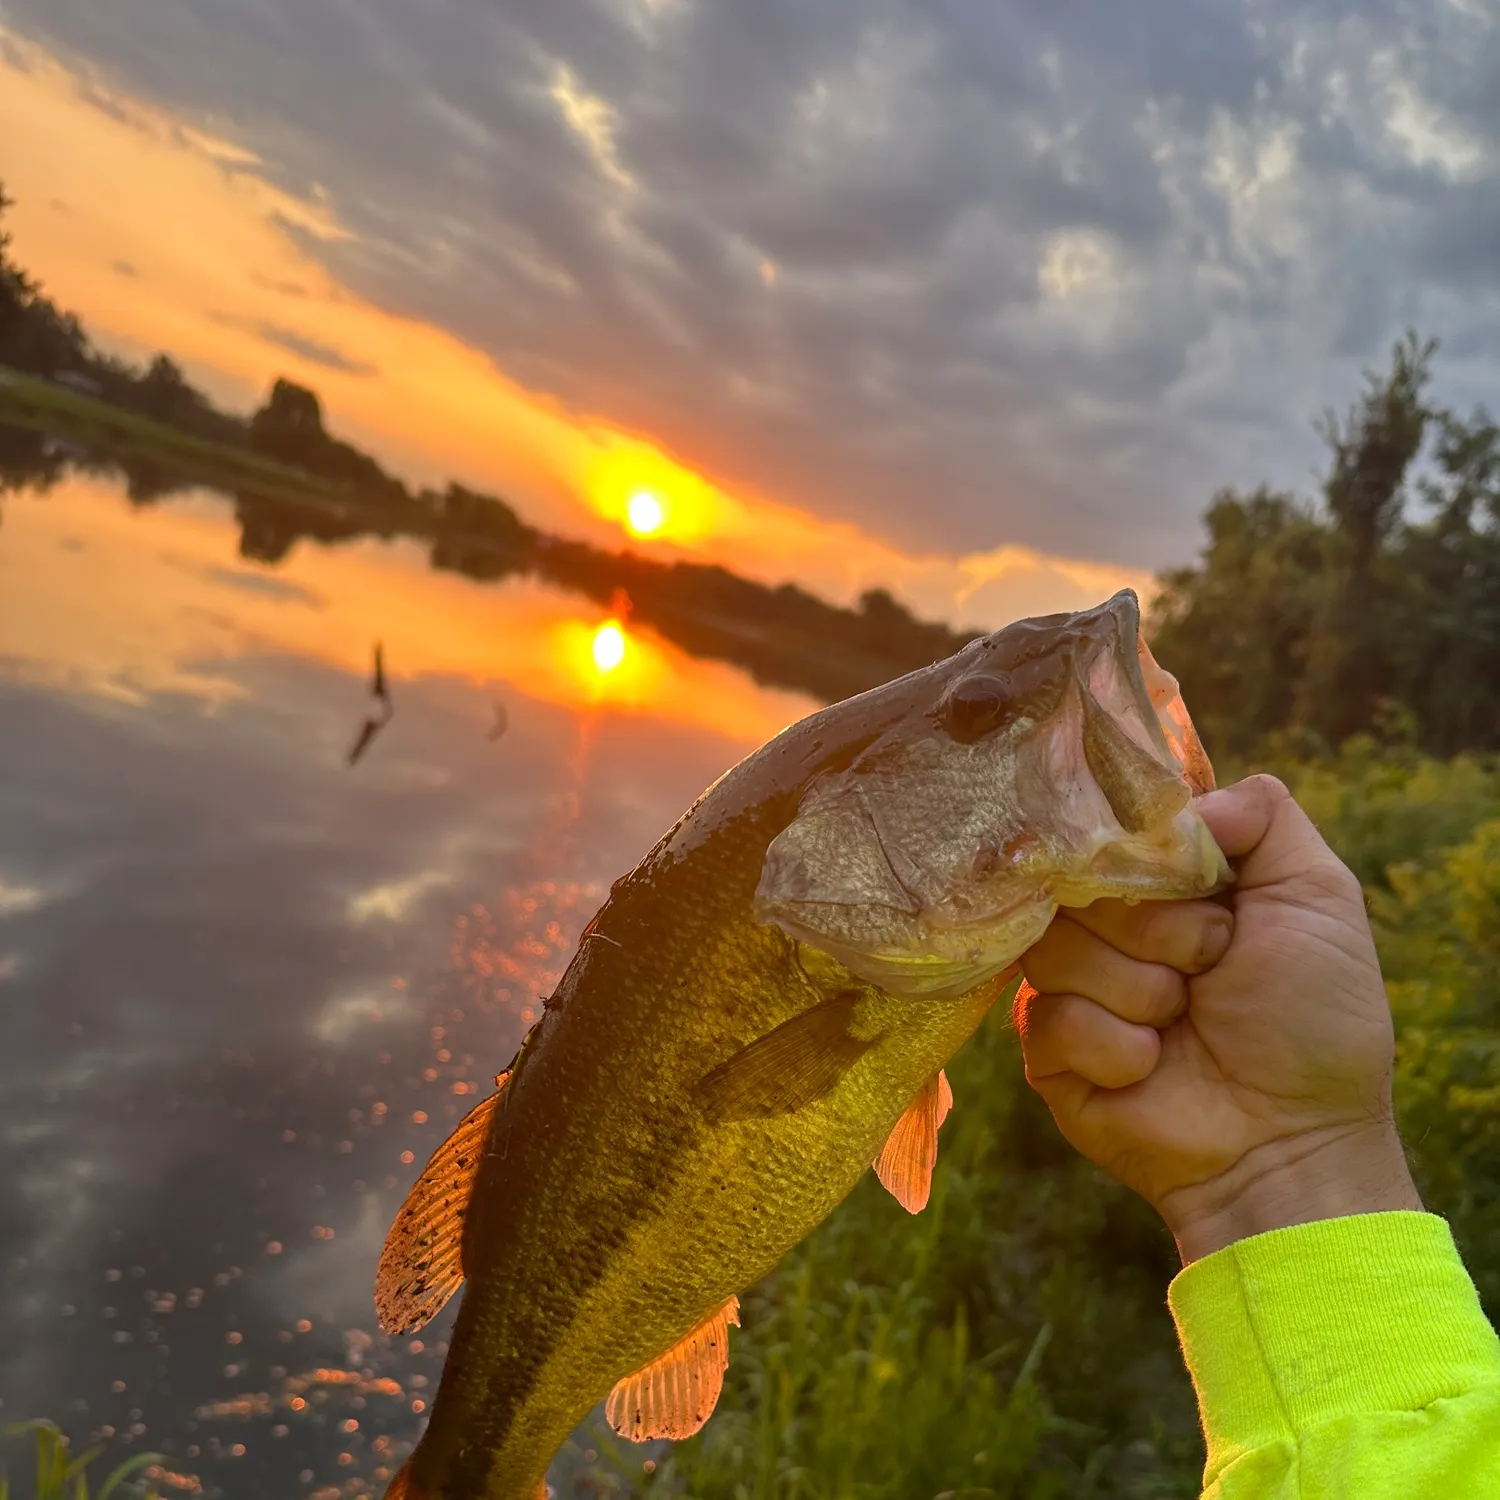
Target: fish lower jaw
{"type": "Point", "coordinates": [1182, 863]}
{"type": "Point", "coordinates": [959, 957]}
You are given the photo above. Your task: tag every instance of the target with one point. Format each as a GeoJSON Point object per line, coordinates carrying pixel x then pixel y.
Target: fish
{"type": "Point", "coordinates": [760, 1013]}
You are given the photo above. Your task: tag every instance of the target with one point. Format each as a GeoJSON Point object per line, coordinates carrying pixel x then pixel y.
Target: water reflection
{"type": "Point", "coordinates": [156, 600]}
{"type": "Point", "coordinates": [244, 990]}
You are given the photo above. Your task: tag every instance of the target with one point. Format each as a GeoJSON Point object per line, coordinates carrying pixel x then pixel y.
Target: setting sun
{"type": "Point", "coordinates": [609, 646]}
{"type": "Point", "coordinates": [644, 513]}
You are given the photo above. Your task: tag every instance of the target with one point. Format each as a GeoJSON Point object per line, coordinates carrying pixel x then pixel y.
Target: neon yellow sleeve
{"type": "Point", "coordinates": [1347, 1358]}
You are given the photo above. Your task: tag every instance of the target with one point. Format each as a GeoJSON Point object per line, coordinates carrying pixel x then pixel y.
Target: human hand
{"type": "Point", "coordinates": [1233, 1069]}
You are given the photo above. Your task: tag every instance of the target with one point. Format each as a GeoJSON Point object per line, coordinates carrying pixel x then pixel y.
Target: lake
{"type": "Point", "coordinates": [246, 987]}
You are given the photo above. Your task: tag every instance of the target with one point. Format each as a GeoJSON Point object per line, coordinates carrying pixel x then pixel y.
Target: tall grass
{"type": "Point", "coordinates": [59, 1475]}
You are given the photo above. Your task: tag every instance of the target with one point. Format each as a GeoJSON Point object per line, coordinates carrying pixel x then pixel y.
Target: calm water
{"type": "Point", "coordinates": [246, 989]}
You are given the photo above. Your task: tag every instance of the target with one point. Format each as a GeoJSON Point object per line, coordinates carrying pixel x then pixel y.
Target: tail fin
{"type": "Point", "coordinates": [404, 1487]}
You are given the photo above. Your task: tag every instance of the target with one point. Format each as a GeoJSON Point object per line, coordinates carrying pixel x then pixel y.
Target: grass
{"type": "Point", "coordinates": [61, 1476]}
{"type": "Point", "coordinates": [30, 402]}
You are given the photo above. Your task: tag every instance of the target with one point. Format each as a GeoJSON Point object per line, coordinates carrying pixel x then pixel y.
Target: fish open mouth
{"type": "Point", "coordinates": [1052, 763]}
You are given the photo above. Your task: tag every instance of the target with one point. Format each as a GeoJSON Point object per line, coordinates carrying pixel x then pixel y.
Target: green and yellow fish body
{"type": "Point", "coordinates": [759, 1013]}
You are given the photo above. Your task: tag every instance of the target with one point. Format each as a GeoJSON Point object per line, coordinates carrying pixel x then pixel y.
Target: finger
{"type": "Point", "coordinates": [1240, 816]}
{"type": "Point", "coordinates": [1068, 1034]}
{"type": "Point", "coordinates": [1070, 960]}
{"type": "Point", "coordinates": [1258, 822]}
{"type": "Point", "coordinates": [1190, 936]}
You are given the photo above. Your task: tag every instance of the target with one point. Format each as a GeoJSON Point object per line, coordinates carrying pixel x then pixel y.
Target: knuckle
{"type": "Point", "coordinates": [1159, 996]}
{"type": "Point", "coordinates": [1272, 788]}
{"type": "Point", "coordinates": [1158, 929]}
{"type": "Point", "coordinates": [1046, 960]}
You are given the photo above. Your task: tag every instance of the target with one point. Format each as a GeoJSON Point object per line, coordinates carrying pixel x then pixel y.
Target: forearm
{"type": "Point", "coordinates": [1347, 1357]}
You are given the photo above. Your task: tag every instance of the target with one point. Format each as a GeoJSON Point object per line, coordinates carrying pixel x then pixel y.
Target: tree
{"type": "Point", "coordinates": [1331, 620]}
{"type": "Point", "coordinates": [16, 288]}
{"type": "Point", "coordinates": [1238, 627]}
{"type": "Point", "coordinates": [34, 335]}
{"type": "Point", "coordinates": [1445, 647]}
{"type": "Point", "coordinates": [290, 425]}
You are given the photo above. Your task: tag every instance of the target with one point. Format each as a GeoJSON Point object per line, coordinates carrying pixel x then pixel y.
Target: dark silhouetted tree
{"type": "Point", "coordinates": [1373, 448]}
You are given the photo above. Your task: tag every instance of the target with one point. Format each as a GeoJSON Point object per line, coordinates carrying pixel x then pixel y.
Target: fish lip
{"type": "Point", "coordinates": [897, 973]}
{"type": "Point", "coordinates": [1029, 892]}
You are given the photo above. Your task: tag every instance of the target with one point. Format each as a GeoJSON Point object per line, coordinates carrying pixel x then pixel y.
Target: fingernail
{"type": "Point", "coordinates": [1215, 938]}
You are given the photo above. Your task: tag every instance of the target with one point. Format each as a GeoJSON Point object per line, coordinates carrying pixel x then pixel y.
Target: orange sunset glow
{"type": "Point", "coordinates": [156, 618]}
{"type": "Point", "coordinates": [231, 293]}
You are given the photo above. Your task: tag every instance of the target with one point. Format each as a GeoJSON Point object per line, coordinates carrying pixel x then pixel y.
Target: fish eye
{"type": "Point", "coordinates": [977, 705]}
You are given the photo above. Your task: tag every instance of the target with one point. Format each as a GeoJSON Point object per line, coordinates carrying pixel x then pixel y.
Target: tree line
{"type": "Point", "coordinates": [1373, 607]}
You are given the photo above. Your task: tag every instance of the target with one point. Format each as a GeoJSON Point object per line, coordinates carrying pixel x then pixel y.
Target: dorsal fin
{"type": "Point", "coordinates": [674, 1395]}
{"type": "Point", "coordinates": [420, 1267]}
{"type": "Point", "coordinates": [905, 1163]}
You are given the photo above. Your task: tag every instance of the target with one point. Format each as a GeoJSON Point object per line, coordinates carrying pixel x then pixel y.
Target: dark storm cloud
{"type": "Point", "coordinates": [1042, 273]}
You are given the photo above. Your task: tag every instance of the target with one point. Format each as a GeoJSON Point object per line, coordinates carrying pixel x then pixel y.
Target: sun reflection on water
{"type": "Point", "coordinates": [609, 646]}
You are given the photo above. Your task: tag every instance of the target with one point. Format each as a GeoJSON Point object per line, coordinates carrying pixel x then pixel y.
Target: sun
{"type": "Point", "coordinates": [609, 646]}
{"type": "Point", "coordinates": [644, 513]}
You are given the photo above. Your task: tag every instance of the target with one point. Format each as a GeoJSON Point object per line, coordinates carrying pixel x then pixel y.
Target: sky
{"type": "Point", "coordinates": [979, 301]}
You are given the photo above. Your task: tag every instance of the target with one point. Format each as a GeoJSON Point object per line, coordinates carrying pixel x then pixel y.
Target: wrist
{"type": "Point", "coordinates": [1327, 1173]}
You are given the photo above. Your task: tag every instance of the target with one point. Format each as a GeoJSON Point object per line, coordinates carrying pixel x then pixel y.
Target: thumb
{"type": "Point", "coordinates": [1257, 822]}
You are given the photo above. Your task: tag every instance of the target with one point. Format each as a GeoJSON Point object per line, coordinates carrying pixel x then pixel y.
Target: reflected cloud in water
{"type": "Point", "coordinates": [248, 990]}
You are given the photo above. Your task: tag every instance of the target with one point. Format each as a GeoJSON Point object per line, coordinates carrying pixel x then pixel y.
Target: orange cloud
{"type": "Point", "coordinates": [163, 234]}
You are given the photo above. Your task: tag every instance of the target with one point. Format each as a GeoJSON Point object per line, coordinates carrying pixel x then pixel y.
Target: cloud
{"type": "Point", "coordinates": [248, 581]}
{"type": "Point", "coordinates": [15, 899]}
{"type": "Point", "coordinates": [202, 1056]}
{"type": "Point", "coordinates": [967, 276]}
{"type": "Point", "coordinates": [311, 350]}
{"type": "Point", "coordinates": [314, 351]}
{"type": "Point", "coordinates": [394, 900]}
{"type": "Point", "coordinates": [267, 584]}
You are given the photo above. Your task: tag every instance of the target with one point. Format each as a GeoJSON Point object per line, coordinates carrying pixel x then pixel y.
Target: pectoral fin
{"type": "Point", "coordinates": [421, 1267]}
{"type": "Point", "coordinates": [674, 1395]}
{"type": "Point", "coordinates": [788, 1068]}
{"type": "Point", "coordinates": [906, 1161]}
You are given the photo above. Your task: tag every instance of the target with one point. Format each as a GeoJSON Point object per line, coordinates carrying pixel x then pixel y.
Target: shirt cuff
{"type": "Point", "coordinates": [1296, 1327]}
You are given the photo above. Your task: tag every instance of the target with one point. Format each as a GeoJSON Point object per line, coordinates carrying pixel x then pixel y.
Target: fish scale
{"type": "Point", "coordinates": [708, 1082]}
{"type": "Point", "coordinates": [586, 1264]}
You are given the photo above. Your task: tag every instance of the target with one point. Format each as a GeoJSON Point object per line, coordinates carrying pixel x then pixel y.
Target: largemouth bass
{"type": "Point", "coordinates": [759, 1013]}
